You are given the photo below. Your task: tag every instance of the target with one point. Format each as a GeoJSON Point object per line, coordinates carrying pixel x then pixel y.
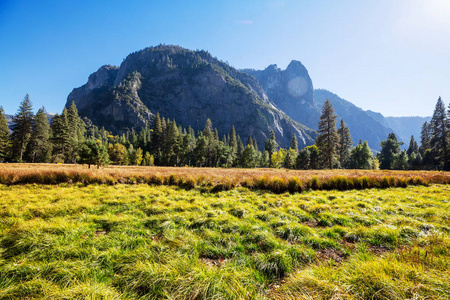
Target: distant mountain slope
{"type": "Point", "coordinates": [360, 122]}
{"type": "Point", "coordinates": [188, 86]}
{"type": "Point", "coordinates": [9, 120]}
{"type": "Point", "coordinates": [404, 127]}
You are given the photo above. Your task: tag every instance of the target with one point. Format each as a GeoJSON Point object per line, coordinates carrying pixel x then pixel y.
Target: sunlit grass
{"type": "Point", "coordinates": [77, 241]}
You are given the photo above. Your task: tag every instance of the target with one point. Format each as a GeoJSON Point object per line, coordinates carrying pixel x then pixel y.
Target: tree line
{"type": "Point", "coordinates": [70, 139]}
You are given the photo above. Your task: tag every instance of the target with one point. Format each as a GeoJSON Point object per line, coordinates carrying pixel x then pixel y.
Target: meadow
{"type": "Point", "coordinates": [218, 179]}
{"type": "Point", "coordinates": [112, 240]}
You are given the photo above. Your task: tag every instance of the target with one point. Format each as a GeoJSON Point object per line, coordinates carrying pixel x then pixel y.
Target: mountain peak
{"type": "Point", "coordinates": [297, 68]}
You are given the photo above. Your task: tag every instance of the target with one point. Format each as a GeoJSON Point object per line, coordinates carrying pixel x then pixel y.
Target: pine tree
{"type": "Point", "coordinates": [250, 140]}
{"type": "Point", "coordinates": [439, 134]}
{"type": "Point", "coordinates": [39, 147]}
{"type": "Point", "coordinates": [93, 153]}
{"type": "Point", "coordinates": [21, 128]}
{"type": "Point", "coordinates": [157, 139]}
{"type": "Point", "coordinates": [240, 146]}
{"type": "Point", "coordinates": [390, 148]}
{"type": "Point", "coordinates": [328, 139]}
{"type": "Point", "coordinates": [255, 145]}
{"type": "Point", "coordinates": [345, 144]}
{"type": "Point", "coordinates": [207, 132]}
{"type": "Point", "coordinates": [4, 136]}
{"type": "Point", "coordinates": [232, 141]}
{"type": "Point", "coordinates": [60, 136]}
{"type": "Point", "coordinates": [76, 131]}
{"type": "Point", "coordinates": [294, 143]}
{"type": "Point", "coordinates": [289, 159]}
{"type": "Point", "coordinates": [248, 159]}
{"type": "Point", "coordinates": [302, 162]}
{"type": "Point", "coordinates": [361, 156]}
{"type": "Point", "coordinates": [172, 144]}
{"type": "Point", "coordinates": [271, 146]}
{"type": "Point", "coordinates": [413, 147]}
{"type": "Point", "coordinates": [425, 137]}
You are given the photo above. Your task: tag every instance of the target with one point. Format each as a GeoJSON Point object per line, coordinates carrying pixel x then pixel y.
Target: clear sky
{"type": "Point", "coordinates": [391, 56]}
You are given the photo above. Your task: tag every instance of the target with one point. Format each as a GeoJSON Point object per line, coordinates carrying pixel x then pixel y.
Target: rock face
{"type": "Point", "coordinates": [291, 90]}
{"type": "Point", "coordinates": [188, 86]}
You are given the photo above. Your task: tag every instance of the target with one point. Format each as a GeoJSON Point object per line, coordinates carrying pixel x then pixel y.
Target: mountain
{"type": "Point", "coordinates": [364, 125]}
{"type": "Point", "coordinates": [188, 86]}
{"type": "Point", "coordinates": [404, 127]}
{"type": "Point", "coordinates": [291, 90]}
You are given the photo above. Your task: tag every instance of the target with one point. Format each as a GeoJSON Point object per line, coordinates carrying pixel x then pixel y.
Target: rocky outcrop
{"type": "Point", "coordinates": [188, 86]}
{"type": "Point", "coordinates": [291, 90]}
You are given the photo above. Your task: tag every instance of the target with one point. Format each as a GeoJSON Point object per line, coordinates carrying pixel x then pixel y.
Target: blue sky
{"type": "Point", "coordinates": [391, 56]}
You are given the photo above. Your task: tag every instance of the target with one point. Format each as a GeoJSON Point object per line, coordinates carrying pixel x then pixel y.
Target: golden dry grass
{"type": "Point", "coordinates": [277, 180]}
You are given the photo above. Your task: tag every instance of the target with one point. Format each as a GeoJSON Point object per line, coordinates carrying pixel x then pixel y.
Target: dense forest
{"type": "Point", "coordinates": [68, 138]}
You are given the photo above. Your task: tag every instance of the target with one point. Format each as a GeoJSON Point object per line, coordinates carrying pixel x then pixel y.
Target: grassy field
{"type": "Point", "coordinates": [140, 241]}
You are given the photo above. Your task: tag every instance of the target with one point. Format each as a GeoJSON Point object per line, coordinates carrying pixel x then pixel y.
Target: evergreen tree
{"type": "Point", "coordinates": [255, 145]}
{"type": "Point", "coordinates": [361, 156]}
{"type": "Point", "coordinates": [248, 159]}
{"type": "Point", "coordinates": [265, 159]}
{"type": "Point", "coordinates": [289, 159]}
{"type": "Point", "coordinates": [314, 157]}
{"type": "Point", "coordinates": [401, 161]}
{"type": "Point", "coordinates": [294, 143]}
{"type": "Point", "coordinates": [39, 147]}
{"type": "Point", "coordinates": [439, 130]}
{"type": "Point", "coordinates": [413, 147]}
{"type": "Point", "coordinates": [345, 144]}
{"type": "Point", "coordinates": [390, 148]}
{"type": "Point", "coordinates": [271, 146]}
{"type": "Point", "coordinates": [21, 128]}
{"type": "Point", "coordinates": [76, 131]}
{"type": "Point", "coordinates": [60, 135]}
{"type": "Point", "coordinates": [172, 144]}
{"type": "Point", "coordinates": [302, 161]}
{"type": "Point", "coordinates": [157, 139]}
{"type": "Point", "coordinates": [240, 146]}
{"type": "Point", "coordinates": [328, 138]}
{"type": "Point", "coordinates": [232, 141]}
{"type": "Point", "coordinates": [93, 153]}
{"type": "Point", "coordinates": [207, 131]}
{"type": "Point", "coordinates": [4, 136]}
{"type": "Point", "coordinates": [425, 137]}
{"type": "Point", "coordinates": [200, 151]}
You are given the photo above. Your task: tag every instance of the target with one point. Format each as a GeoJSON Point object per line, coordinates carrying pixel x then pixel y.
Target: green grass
{"type": "Point", "coordinates": [76, 241]}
